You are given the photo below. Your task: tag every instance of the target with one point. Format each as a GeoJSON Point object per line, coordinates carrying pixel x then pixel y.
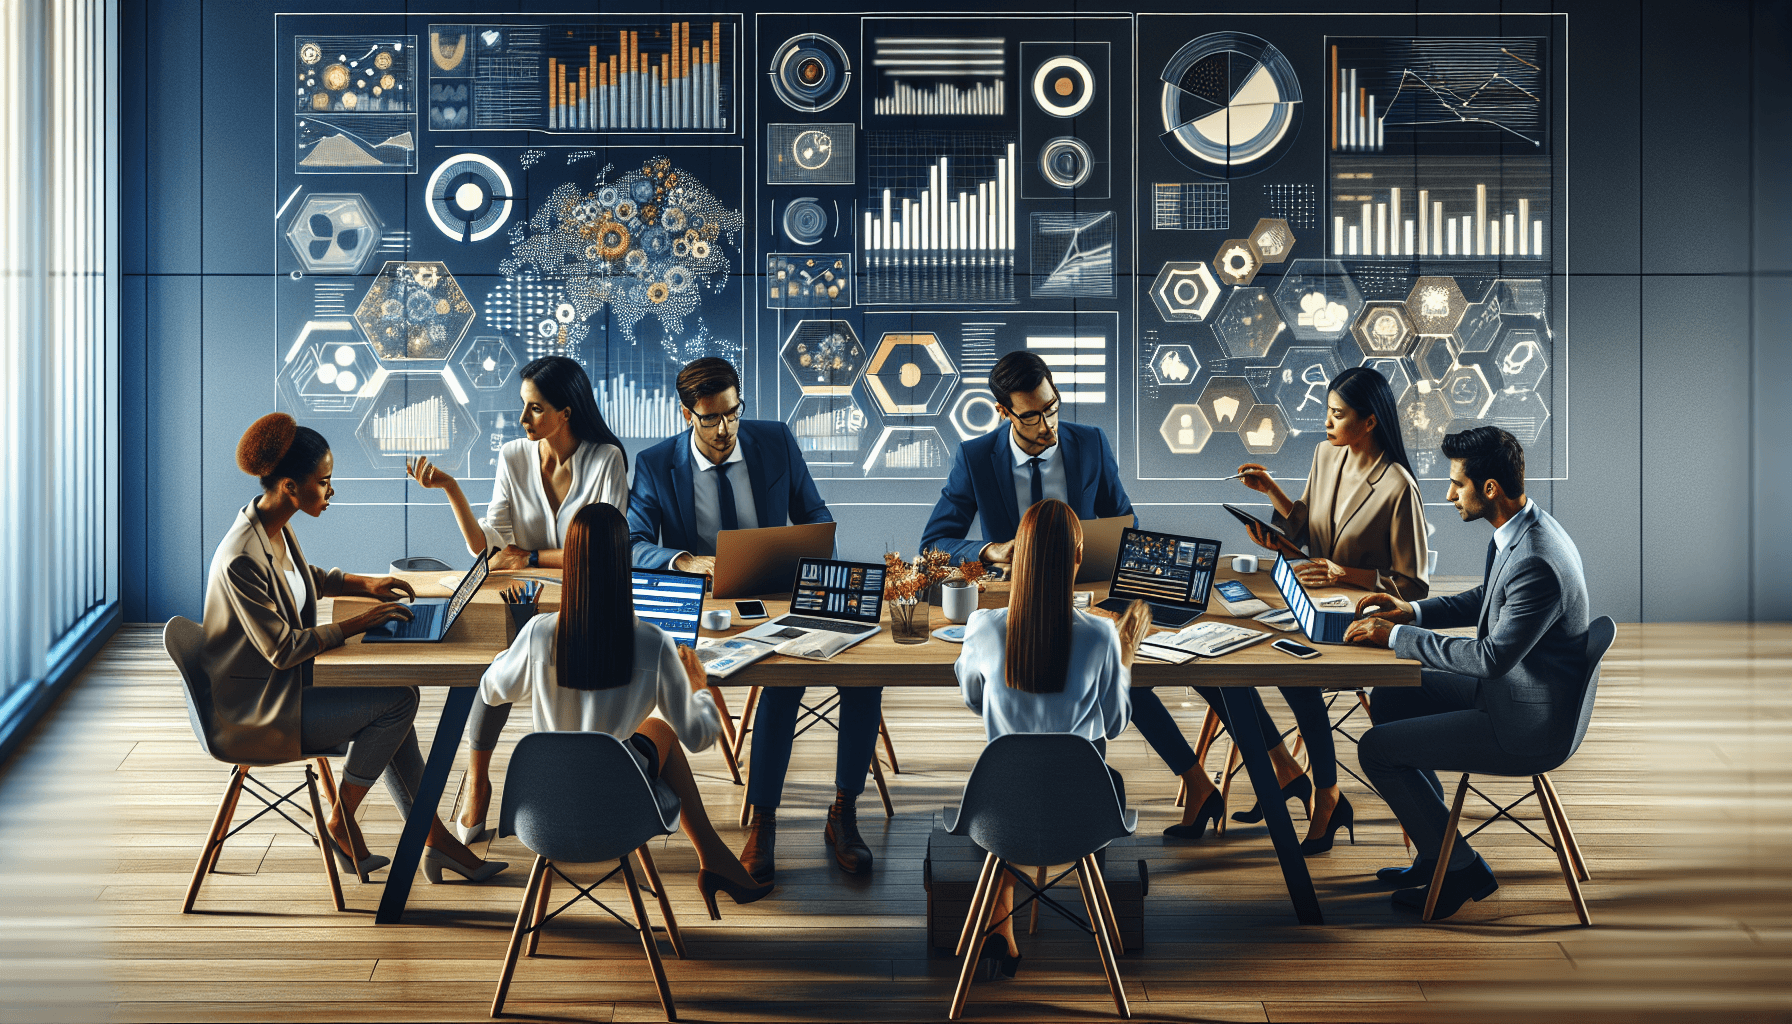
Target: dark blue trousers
{"type": "Point", "coordinates": [774, 726]}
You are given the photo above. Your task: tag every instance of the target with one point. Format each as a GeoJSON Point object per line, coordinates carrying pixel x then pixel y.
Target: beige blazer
{"type": "Point", "coordinates": [1379, 525]}
{"type": "Point", "coordinates": [260, 638]}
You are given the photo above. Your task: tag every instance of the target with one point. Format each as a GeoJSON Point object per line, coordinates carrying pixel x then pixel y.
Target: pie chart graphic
{"type": "Point", "coordinates": [1231, 104]}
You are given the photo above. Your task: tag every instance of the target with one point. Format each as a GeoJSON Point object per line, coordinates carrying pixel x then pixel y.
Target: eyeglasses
{"type": "Point", "coordinates": [1031, 419]}
{"type": "Point", "coordinates": [714, 419]}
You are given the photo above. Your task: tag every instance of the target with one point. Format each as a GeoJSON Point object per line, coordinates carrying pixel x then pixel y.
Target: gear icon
{"type": "Point", "coordinates": [657, 292]}
{"type": "Point", "coordinates": [1236, 264]}
{"type": "Point", "coordinates": [311, 53]}
{"type": "Point", "coordinates": [612, 241]}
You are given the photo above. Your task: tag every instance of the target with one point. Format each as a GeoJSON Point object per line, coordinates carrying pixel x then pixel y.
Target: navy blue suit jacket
{"type": "Point", "coordinates": [982, 484]}
{"type": "Point", "coordinates": [662, 517]}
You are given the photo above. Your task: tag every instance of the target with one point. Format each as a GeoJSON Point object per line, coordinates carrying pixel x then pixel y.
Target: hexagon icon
{"type": "Point", "coordinates": [1300, 382]}
{"type": "Point", "coordinates": [1520, 413]}
{"type": "Point", "coordinates": [909, 452]}
{"type": "Point", "coordinates": [1318, 299]}
{"type": "Point", "coordinates": [1226, 400]}
{"type": "Point", "coordinates": [1480, 326]}
{"type": "Point", "coordinates": [1466, 390]}
{"type": "Point", "coordinates": [334, 233]}
{"type": "Point", "coordinates": [1433, 357]}
{"type": "Point", "coordinates": [487, 363]}
{"type": "Point", "coordinates": [414, 311]}
{"type": "Point", "coordinates": [1248, 324]}
{"type": "Point", "coordinates": [1383, 329]}
{"type": "Point", "coordinates": [825, 356]}
{"type": "Point", "coordinates": [1263, 430]}
{"type": "Point", "coordinates": [1393, 371]}
{"type": "Point", "coordinates": [1424, 417]}
{"type": "Point", "coordinates": [1435, 305]}
{"type": "Point", "coordinates": [1272, 240]}
{"type": "Point", "coordinates": [1520, 360]}
{"type": "Point", "coordinates": [974, 413]}
{"type": "Point", "coordinates": [1236, 263]}
{"type": "Point", "coordinates": [1185, 429]}
{"type": "Point", "coordinates": [329, 368]}
{"type": "Point", "coordinates": [418, 414]}
{"type": "Point", "coordinates": [1174, 365]}
{"type": "Point", "coordinates": [910, 375]}
{"type": "Point", "coordinates": [828, 428]}
{"type": "Point", "coordinates": [1185, 292]}
{"type": "Point", "coordinates": [1520, 296]}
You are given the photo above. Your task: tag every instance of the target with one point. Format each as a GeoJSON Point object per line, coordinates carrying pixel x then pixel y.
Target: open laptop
{"type": "Point", "coordinates": [432, 617]}
{"type": "Point", "coordinates": [1101, 544]}
{"type": "Point", "coordinates": [754, 562]}
{"type": "Point", "coordinates": [1321, 626]}
{"type": "Point", "coordinates": [830, 596]}
{"type": "Point", "coordinates": [1172, 574]}
{"type": "Point", "coordinates": [671, 600]}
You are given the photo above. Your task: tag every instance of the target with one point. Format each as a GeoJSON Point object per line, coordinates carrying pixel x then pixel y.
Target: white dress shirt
{"type": "Point", "coordinates": [1096, 702]}
{"type": "Point", "coordinates": [1051, 475]}
{"type": "Point", "coordinates": [705, 503]}
{"type": "Point", "coordinates": [526, 669]}
{"type": "Point", "coordinates": [1502, 539]}
{"type": "Point", "coordinates": [519, 512]}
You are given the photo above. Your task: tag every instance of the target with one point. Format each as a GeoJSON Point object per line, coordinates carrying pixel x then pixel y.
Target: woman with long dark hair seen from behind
{"type": "Point", "coordinates": [1041, 665]}
{"type": "Point", "coordinates": [568, 459]}
{"type": "Point", "coordinates": [594, 666]}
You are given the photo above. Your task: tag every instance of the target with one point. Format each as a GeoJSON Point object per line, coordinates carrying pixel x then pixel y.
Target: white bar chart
{"type": "Point", "coordinates": [1394, 224]}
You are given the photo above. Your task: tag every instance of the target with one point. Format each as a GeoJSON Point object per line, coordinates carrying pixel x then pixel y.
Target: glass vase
{"type": "Point", "coordinates": [908, 621]}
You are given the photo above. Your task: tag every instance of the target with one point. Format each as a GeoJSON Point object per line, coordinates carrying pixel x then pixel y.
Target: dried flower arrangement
{"type": "Point", "coordinates": [909, 581]}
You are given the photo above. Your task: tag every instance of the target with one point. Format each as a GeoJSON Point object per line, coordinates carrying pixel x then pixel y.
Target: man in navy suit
{"type": "Point", "coordinates": [1000, 475]}
{"type": "Point", "coordinates": [726, 473]}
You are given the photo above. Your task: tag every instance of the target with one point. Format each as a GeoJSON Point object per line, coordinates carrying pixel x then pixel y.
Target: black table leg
{"type": "Point", "coordinates": [1241, 720]}
{"type": "Point", "coordinates": [442, 751]}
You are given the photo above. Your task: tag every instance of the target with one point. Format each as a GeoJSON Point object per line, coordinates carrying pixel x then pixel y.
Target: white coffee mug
{"type": "Point", "coordinates": [958, 600]}
{"type": "Point", "coordinates": [1244, 563]}
{"type": "Point", "coordinates": [717, 619]}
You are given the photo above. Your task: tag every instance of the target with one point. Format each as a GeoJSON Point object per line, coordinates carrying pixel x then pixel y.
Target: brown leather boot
{"type": "Point", "coordinates": [758, 856]}
{"type": "Point", "coordinates": [850, 851]}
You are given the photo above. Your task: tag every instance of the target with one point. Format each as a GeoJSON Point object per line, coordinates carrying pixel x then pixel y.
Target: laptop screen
{"type": "Point", "coordinates": [1293, 593]}
{"type": "Point", "coordinates": [1165, 569]}
{"type": "Point", "coordinates": [672, 601]}
{"type": "Point", "coordinates": [469, 585]}
{"type": "Point", "coordinates": [853, 591]}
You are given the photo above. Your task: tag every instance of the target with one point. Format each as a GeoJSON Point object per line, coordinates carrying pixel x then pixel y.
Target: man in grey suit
{"type": "Point", "coordinates": [1505, 702]}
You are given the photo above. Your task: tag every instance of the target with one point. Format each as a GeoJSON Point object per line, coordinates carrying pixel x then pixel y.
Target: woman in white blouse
{"type": "Point", "coordinates": [568, 460]}
{"type": "Point", "coordinates": [594, 667]}
{"type": "Point", "coordinates": [1040, 665]}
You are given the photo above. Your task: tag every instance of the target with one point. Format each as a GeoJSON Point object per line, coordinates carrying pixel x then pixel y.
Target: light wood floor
{"type": "Point", "coordinates": [1680, 797]}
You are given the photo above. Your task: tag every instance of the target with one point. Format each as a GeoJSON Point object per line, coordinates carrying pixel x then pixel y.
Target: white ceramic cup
{"type": "Point", "coordinates": [717, 619]}
{"type": "Point", "coordinates": [1244, 563]}
{"type": "Point", "coordinates": [958, 600]}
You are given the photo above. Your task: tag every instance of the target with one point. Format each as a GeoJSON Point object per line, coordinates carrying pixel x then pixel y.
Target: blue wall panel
{"type": "Point", "coordinates": [177, 549]}
{"type": "Point", "coordinates": [134, 440]}
{"type": "Point", "coordinates": [172, 204]}
{"type": "Point", "coordinates": [237, 164]}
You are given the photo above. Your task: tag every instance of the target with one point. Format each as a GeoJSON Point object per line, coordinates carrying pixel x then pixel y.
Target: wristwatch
{"type": "Point", "coordinates": [534, 559]}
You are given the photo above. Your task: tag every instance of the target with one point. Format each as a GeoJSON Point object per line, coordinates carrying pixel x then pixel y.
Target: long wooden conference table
{"type": "Point", "coordinates": [461, 659]}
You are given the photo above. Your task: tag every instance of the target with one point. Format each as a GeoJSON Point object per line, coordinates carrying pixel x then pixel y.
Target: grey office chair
{"type": "Point", "coordinates": [419, 563]}
{"type": "Point", "coordinates": [1561, 835]}
{"type": "Point", "coordinates": [184, 639]}
{"type": "Point", "coordinates": [1041, 799]}
{"type": "Point", "coordinates": [582, 798]}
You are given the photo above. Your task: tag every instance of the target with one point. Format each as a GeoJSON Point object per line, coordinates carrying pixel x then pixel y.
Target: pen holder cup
{"type": "Point", "coordinates": [518, 617]}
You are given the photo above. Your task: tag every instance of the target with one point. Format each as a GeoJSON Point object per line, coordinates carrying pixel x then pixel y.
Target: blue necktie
{"type": "Point", "coordinates": [725, 499]}
{"type": "Point", "coordinates": [1038, 486]}
{"type": "Point", "coordinates": [1493, 550]}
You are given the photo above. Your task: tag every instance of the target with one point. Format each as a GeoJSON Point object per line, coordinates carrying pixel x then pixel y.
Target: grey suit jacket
{"type": "Point", "coordinates": [259, 641]}
{"type": "Point", "coordinates": [1530, 645]}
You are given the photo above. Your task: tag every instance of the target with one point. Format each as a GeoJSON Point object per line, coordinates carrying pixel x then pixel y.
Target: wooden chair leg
{"type": "Point", "coordinates": [970, 919]}
{"type": "Point", "coordinates": [1086, 875]}
{"type": "Point", "coordinates": [543, 894]}
{"type": "Point", "coordinates": [659, 891]}
{"type": "Point", "coordinates": [219, 824]}
{"type": "Point", "coordinates": [746, 809]}
{"type": "Point", "coordinates": [1574, 855]}
{"type": "Point", "coordinates": [1210, 731]}
{"type": "Point", "coordinates": [883, 786]}
{"type": "Point", "coordinates": [523, 913]}
{"type": "Point", "coordinates": [746, 724]}
{"type": "Point", "coordinates": [983, 905]}
{"type": "Point", "coordinates": [727, 743]}
{"type": "Point", "coordinates": [1560, 847]}
{"type": "Point", "coordinates": [236, 796]}
{"type": "Point", "coordinates": [648, 943]}
{"type": "Point", "coordinates": [1105, 899]}
{"type": "Point", "coordinates": [317, 819]}
{"type": "Point", "coordinates": [1033, 920]}
{"type": "Point", "coordinates": [883, 730]}
{"type": "Point", "coordinates": [328, 778]}
{"type": "Point", "coordinates": [1181, 792]}
{"type": "Point", "coordinates": [1443, 850]}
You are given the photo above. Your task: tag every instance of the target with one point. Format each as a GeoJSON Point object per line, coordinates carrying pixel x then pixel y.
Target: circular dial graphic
{"type": "Point", "coordinates": [469, 197]}
{"type": "Point", "coordinates": [810, 72]}
{"type": "Point", "coordinates": [1231, 104]}
{"type": "Point", "coordinates": [1063, 86]}
{"type": "Point", "coordinates": [1066, 161]}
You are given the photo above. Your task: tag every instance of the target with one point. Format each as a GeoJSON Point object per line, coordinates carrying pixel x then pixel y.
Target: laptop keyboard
{"type": "Point", "coordinates": [424, 619]}
{"type": "Point", "coordinates": [831, 625]}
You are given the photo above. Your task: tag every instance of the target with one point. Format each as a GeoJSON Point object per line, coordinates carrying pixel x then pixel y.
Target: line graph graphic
{"type": "Point", "coordinates": [1437, 95]}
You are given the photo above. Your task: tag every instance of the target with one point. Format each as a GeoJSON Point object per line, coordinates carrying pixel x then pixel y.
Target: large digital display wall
{"type": "Point", "coordinates": [1197, 220]}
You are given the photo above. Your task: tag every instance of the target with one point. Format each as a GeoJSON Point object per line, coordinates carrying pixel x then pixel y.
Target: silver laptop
{"type": "Point", "coordinates": [432, 617]}
{"type": "Point", "coordinates": [754, 562]}
{"type": "Point", "coordinates": [829, 596]}
{"type": "Point", "coordinates": [1172, 574]}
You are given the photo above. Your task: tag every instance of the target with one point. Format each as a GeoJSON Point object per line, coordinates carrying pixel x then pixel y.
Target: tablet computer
{"type": "Point", "coordinates": [1247, 519]}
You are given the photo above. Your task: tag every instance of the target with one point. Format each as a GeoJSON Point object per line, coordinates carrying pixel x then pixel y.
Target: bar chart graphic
{"type": "Point", "coordinates": [633, 409]}
{"type": "Point", "coordinates": [421, 428]}
{"type": "Point", "coordinates": [1417, 95]}
{"type": "Point", "coordinates": [940, 222]}
{"type": "Point", "coordinates": [949, 76]}
{"type": "Point", "coordinates": [625, 86]}
{"type": "Point", "coordinates": [1439, 208]}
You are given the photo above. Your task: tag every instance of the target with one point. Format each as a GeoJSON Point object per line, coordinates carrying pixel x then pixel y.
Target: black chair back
{"type": "Point", "coordinates": [581, 797]}
{"type": "Point", "coordinates": [1041, 798]}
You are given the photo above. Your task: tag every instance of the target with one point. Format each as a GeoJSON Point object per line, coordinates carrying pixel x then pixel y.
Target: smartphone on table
{"type": "Point", "coordinates": [749, 610]}
{"type": "Point", "coordinates": [1297, 650]}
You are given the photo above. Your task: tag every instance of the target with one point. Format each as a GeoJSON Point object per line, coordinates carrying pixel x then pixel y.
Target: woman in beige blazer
{"type": "Point", "coordinates": [261, 633]}
{"type": "Point", "coordinates": [1362, 523]}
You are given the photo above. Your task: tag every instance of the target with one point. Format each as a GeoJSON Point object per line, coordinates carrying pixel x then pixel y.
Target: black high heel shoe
{"type": "Point", "coordinates": [992, 964]}
{"type": "Point", "coordinates": [1301, 787]}
{"type": "Point", "coordinates": [708, 882]}
{"type": "Point", "coordinates": [1210, 810]}
{"type": "Point", "coordinates": [1343, 816]}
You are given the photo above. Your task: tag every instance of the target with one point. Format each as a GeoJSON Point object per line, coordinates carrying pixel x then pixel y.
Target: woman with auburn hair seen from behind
{"type": "Point", "coordinates": [593, 666]}
{"type": "Point", "coordinates": [1041, 665]}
